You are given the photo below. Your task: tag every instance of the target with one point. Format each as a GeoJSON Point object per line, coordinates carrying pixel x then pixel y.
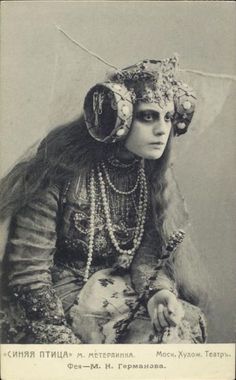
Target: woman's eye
{"type": "Point", "coordinates": [146, 116]}
{"type": "Point", "coordinates": [168, 116]}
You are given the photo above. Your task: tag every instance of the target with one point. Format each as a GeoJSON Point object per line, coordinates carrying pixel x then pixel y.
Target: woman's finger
{"type": "Point", "coordinates": [155, 321]}
{"type": "Point", "coordinates": [175, 310]}
{"type": "Point", "coordinates": [172, 304]}
{"type": "Point", "coordinates": [161, 317]}
{"type": "Point", "coordinates": [169, 317]}
{"type": "Point", "coordinates": [157, 327]}
{"type": "Point", "coordinates": [154, 316]}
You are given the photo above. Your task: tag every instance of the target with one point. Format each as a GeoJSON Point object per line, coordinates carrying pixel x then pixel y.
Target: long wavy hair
{"type": "Point", "coordinates": [65, 150]}
{"type": "Point", "coordinates": [70, 148]}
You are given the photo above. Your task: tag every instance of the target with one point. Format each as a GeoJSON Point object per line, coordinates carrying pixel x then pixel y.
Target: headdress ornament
{"type": "Point", "coordinates": [108, 106]}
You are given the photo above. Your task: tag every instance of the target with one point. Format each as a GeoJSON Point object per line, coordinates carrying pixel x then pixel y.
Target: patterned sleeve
{"type": "Point", "coordinates": [149, 273]}
{"type": "Point", "coordinates": [30, 252]}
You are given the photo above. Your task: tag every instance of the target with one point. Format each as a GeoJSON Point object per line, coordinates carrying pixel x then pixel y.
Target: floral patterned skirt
{"type": "Point", "coordinates": [109, 311]}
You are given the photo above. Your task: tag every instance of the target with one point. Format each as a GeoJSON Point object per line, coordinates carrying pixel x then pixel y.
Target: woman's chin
{"type": "Point", "coordinates": [148, 154]}
{"type": "Point", "coordinates": [153, 155]}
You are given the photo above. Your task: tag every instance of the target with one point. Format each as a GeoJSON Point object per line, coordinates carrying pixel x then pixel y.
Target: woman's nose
{"type": "Point", "coordinates": [159, 127]}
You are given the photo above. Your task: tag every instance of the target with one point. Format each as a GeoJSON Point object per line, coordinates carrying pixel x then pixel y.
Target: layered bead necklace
{"type": "Point", "coordinates": [104, 182]}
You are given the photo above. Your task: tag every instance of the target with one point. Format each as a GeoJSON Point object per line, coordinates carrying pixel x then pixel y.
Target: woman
{"type": "Point", "coordinates": [90, 257]}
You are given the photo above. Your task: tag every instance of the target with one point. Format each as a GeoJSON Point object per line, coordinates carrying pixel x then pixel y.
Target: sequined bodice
{"type": "Point", "coordinates": [124, 212]}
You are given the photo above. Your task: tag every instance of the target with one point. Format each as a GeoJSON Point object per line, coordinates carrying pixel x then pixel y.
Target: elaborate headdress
{"type": "Point", "coordinates": [108, 106]}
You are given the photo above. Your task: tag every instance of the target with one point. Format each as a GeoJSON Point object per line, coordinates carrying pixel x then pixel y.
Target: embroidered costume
{"type": "Point", "coordinates": [83, 255]}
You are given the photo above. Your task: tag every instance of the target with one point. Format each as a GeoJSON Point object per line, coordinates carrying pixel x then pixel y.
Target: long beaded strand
{"type": "Point", "coordinates": [91, 227]}
{"type": "Point", "coordinates": [139, 230]}
{"type": "Point", "coordinates": [113, 186]}
{"type": "Point", "coordinates": [141, 213]}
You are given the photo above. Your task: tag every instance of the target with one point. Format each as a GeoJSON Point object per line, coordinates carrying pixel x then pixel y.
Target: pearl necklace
{"type": "Point", "coordinates": [113, 161]}
{"type": "Point", "coordinates": [139, 229]}
{"type": "Point", "coordinates": [92, 225]}
{"type": "Point", "coordinates": [113, 186]}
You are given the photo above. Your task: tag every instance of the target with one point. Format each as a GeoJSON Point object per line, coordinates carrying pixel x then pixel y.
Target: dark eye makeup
{"type": "Point", "coordinates": [169, 116]}
{"type": "Point", "coordinates": [151, 116]}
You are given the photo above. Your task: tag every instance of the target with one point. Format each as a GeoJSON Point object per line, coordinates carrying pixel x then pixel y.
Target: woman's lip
{"type": "Point", "coordinates": [157, 143]}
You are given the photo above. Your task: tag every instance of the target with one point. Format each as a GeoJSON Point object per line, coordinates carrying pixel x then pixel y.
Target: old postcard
{"type": "Point", "coordinates": [117, 190]}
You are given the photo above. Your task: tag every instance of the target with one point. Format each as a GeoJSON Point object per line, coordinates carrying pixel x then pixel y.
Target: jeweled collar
{"type": "Point", "coordinates": [118, 160]}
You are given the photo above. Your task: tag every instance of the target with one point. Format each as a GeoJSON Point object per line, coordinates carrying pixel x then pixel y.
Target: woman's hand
{"type": "Point", "coordinates": [165, 310]}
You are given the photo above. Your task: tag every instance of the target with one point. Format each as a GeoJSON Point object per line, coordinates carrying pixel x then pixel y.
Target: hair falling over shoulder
{"type": "Point", "coordinates": [170, 214]}
{"type": "Point", "coordinates": [64, 150]}
{"type": "Point", "coordinates": [68, 149]}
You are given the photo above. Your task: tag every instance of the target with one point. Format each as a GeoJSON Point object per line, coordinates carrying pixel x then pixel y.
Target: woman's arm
{"type": "Point", "coordinates": [148, 271]}
{"type": "Point", "coordinates": [30, 251]}
{"type": "Point", "coordinates": [153, 278]}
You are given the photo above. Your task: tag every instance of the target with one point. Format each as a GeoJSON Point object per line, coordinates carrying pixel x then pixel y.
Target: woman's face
{"type": "Point", "coordinates": [150, 130]}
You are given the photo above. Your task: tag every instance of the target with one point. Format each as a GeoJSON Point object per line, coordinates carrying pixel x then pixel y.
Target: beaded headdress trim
{"type": "Point", "coordinates": [108, 106]}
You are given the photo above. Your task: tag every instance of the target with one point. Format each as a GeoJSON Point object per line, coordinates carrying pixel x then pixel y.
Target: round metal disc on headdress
{"type": "Point", "coordinates": [185, 103]}
{"type": "Point", "coordinates": [108, 106]}
{"type": "Point", "coordinates": [108, 111]}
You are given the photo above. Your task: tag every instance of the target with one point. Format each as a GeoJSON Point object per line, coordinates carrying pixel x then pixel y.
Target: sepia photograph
{"type": "Point", "coordinates": [117, 186]}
